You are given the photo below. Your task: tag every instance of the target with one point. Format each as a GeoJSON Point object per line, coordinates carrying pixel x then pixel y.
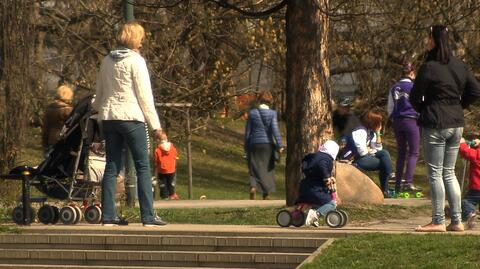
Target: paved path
{"type": "Point", "coordinates": [390, 226]}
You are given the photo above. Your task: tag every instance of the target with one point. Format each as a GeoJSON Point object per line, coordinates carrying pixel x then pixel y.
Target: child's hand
{"type": "Point", "coordinates": [477, 143]}
{"type": "Point", "coordinates": [462, 140]}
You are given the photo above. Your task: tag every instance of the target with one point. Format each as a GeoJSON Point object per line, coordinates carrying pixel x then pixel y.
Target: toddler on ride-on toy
{"type": "Point", "coordinates": [318, 186]}
{"type": "Point", "coordinates": [317, 192]}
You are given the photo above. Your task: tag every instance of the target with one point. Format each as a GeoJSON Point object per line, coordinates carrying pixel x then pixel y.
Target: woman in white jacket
{"type": "Point", "coordinates": [124, 102]}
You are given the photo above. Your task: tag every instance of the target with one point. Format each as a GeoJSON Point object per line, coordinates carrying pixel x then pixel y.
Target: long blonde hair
{"type": "Point", "coordinates": [131, 35]}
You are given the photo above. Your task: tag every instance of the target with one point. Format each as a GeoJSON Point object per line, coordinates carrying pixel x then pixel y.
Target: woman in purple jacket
{"type": "Point", "coordinates": [407, 132]}
{"type": "Point", "coordinates": [262, 137]}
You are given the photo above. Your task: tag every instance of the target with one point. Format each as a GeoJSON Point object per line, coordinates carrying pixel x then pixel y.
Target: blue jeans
{"type": "Point", "coordinates": [118, 132]}
{"type": "Point", "coordinates": [324, 209]}
{"type": "Point", "coordinates": [380, 161]}
{"type": "Point", "coordinates": [470, 203]}
{"type": "Point", "coordinates": [440, 150]}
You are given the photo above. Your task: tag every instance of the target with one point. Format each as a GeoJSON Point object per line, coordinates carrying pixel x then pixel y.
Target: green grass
{"type": "Point", "coordinates": [267, 215]}
{"type": "Point", "coordinates": [219, 167]}
{"type": "Point", "coordinates": [5, 218]}
{"type": "Point", "coordinates": [401, 251]}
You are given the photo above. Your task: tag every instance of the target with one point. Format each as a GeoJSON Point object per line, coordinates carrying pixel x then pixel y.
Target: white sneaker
{"type": "Point", "coordinates": [312, 217]}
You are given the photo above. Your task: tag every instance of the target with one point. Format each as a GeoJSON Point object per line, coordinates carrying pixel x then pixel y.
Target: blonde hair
{"type": "Point", "coordinates": [131, 35]}
{"type": "Point", "coordinates": [65, 93]}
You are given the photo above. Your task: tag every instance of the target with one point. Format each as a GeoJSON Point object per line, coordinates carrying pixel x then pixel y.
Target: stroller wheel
{"type": "Point", "coordinates": [284, 218]}
{"type": "Point", "coordinates": [334, 219]}
{"type": "Point", "coordinates": [17, 215]}
{"type": "Point", "coordinates": [56, 216]}
{"type": "Point", "coordinates": [298, 218]}
{"type": "Point", "coordinates": [68, 215]}
{"type": "Point", "coordinates": [79, 215]}
{"type": "Point", "coordinates": [46, 214]}
{"type": "Point", "coordinates": [345, 218]}
{"type": "Point", "coordinates": [93, 214]}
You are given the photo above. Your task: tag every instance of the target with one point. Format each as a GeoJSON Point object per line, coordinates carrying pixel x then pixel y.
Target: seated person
{"type": "Point", "coordinates": [317, 186]}
{"type": "Point", "coordinates": [472, 198]}
{"type": "Point", "coordinates": [365, 145]}
{"type": "Point", "coordinates": [343, 119]}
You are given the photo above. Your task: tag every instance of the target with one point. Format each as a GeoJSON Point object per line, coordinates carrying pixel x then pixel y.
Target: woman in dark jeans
{"type": "Point", "coordinates": [365, 144]}
{"type": "Point", "coordinates": [443, 88]}
{"type": "Point", "coordinates": [262, 137]}
{"type": "Point", "coordinates": [124, 102]}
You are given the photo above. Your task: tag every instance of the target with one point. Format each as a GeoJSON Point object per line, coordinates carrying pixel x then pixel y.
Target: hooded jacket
{"type": "Point", "coordinates": [317, 167]}
{"type": "Point", "coordinates": [53, 121]}
{"type": "Point", "coordinates": [123, 90]}
{"type": "Point", "coordinates": [166, 158]}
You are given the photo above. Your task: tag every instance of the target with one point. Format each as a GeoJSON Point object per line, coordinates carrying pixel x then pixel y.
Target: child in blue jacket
{"type": "Point", "coordinates": [317, 186]}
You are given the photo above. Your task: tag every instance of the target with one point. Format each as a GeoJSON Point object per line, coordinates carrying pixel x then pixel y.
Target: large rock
{"type": "Point", "coordinates": [353, 186]}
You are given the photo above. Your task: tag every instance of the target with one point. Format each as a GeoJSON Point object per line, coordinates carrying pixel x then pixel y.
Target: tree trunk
{"type": "Point", "coordinates": [17, 39]}
{"type": "Point", "coordinates": [309, 104]}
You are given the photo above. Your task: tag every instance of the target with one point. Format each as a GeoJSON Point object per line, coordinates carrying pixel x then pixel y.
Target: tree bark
{"type": "Point", "coordinates": [17, 38]}
{"type": "Point", "coordinates": [308, 105]}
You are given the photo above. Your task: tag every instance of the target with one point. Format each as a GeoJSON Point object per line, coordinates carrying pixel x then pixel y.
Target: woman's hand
{"type": "Point", "coordinates": [462, 140]}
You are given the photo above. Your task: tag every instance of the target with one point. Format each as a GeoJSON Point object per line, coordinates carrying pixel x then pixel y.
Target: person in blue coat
{"type": "Point", "coordinates": [262, 138]}
{"type": "Point", "coordinates": [316, 187]}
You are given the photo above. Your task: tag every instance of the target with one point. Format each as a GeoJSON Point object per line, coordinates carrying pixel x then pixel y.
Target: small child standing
{"type": "Point", "coordinates": [165, 167]}
{"type": "Point", "coordinates": [317, 186]}
{"type": "Point", "coordinates": [472, 198]}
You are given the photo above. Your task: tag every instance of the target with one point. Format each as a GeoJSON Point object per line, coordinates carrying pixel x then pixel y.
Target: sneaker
{"type": "Point", "coordinates": [117, 222]}
{"type": "Point", "coordinates": [312, 217]}
{"type": "Point", "coordinates": [410, 187]}
{"type": "Point", "coordinates": [174, 197]}
{"type": "Point", "coordinates": [155, 222]}
{"type": "Point", "coordinates": [471, 220]}
{"type": "Point", "coordinates": [386, 194]}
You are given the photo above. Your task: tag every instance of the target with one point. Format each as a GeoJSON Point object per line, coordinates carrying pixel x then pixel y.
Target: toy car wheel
{"type": "Point", "coordinates": [334, 219]}
{"type": "Point", "coordinates": [419, 195]}
{"type": "Point", "coordinates": [298, 218]}
{"type": "Point", "coordinates": [56, 216]}
{"type": "Point", "coordinates": [284, 218]}
{"type": "Point", "coordinates": [345, 218]}
{"type": "Point", "coordinates": [68, 215]}
{"type": "Point", "coordinates": [46, 214]}
{"type": "Point", "coordinates": [17, 215]}
{"type": "Point", "coordinates": [93, 214]}
{"type": "Point", "coordinates": [79, 214]}
{"type": "Point", "coordinates": [406, 195]}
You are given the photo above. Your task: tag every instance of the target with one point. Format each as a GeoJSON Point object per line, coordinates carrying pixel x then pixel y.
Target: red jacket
{"type": "Point", "coordinates": [166, 161]}
{"type": "Point", "coordinates": [473, 155]}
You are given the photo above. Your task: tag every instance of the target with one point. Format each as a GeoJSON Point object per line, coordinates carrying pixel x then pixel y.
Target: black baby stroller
{"type": "Point", "coordinates": [72, 171]}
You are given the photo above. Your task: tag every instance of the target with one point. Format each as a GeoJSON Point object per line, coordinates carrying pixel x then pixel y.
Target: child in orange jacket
{"type": "Point", "coordinates": [165, 167]}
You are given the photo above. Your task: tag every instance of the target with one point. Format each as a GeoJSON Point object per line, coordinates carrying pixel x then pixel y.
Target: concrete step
{"type": "Point", "coordinates": [151, 258]}
{"type": "Point", "coordinates": [193, 229]}
{"type": "Point", "coordinates": [160, 242]}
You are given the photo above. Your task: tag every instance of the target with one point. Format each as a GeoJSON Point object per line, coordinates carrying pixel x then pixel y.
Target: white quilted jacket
{"type": "Point", "coordinates": [123, 90]}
